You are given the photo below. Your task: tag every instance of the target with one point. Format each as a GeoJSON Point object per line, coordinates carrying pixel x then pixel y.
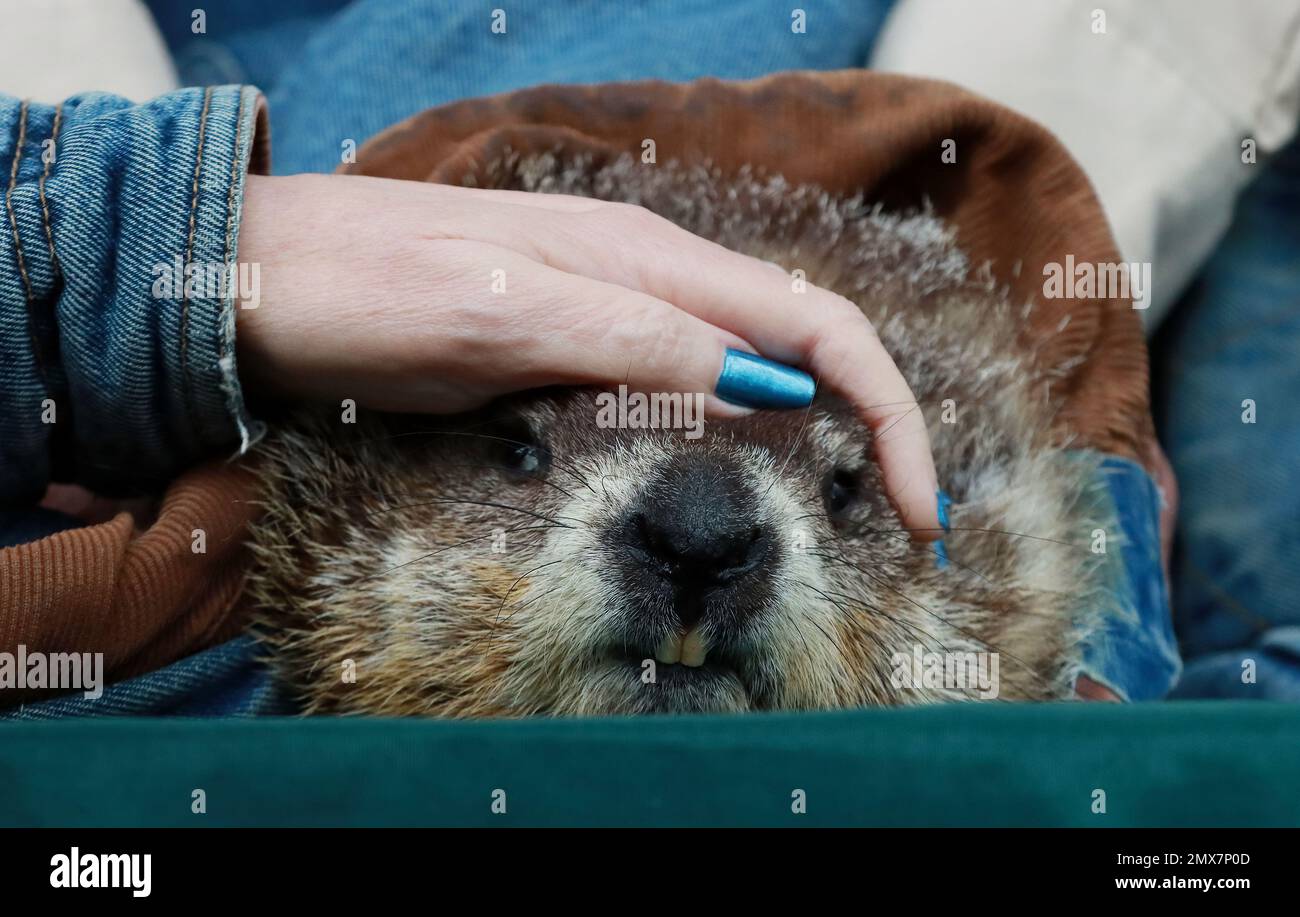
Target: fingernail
{"type": "Point", "coordinates": [944, 502]}
{"type": "Point", "coordinates": [941, 549]}
{"type": "Point", "coordinates": [754, 382]}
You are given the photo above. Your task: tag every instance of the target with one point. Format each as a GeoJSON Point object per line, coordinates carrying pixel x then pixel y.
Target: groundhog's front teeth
{"type": "Point", "coordinates": [693, 648]}
{"type": "Point", "coordinates": [689, 649]}
{"type": "Point", "coordinates": [670, 650]}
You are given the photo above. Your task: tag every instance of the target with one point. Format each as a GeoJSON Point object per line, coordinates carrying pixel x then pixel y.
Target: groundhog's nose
{"type": "Point", "coordinates": [695, 529]}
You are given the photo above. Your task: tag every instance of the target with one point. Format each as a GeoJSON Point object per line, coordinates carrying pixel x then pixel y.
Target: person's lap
{"type": "Point", "coordinates": [1230, 354]}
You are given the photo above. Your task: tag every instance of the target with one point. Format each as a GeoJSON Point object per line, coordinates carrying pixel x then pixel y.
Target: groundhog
{"type": "Point", "coordinates": [529, 559]}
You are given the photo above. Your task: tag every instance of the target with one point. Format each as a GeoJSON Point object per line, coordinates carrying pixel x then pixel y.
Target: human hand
{"type": "Point", "coordinates": [409, 296]}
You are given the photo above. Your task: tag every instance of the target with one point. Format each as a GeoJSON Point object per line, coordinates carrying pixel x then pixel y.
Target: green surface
{"type": "Point", "coordinates": [1200, 763]}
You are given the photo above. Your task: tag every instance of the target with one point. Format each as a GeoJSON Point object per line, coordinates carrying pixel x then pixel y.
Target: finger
{"type": "Point", "coordinates": [602, 333]}
{"type": "Point", "coordinates": [858, 362]}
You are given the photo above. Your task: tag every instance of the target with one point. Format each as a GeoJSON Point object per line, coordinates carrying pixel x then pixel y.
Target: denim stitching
{"type": "Point", "coordinates": [225, 330]}
{"type": "Point", "coordinates": [186, 383]}
{"type": "Point", "coordinates": [230, 212]}
{"type": "Point", "coordinates": [45, 204]}
{"type": "Point", "coordinates": [18, 247]}
{"type": "Point", "coordinates": [249, 430]}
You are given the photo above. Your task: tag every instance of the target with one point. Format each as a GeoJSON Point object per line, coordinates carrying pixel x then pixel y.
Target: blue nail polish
{"type": "Point", "coordinates": [941, 549]}
{"type": "Point", "coordinates": [944, 502]}
{"type": "Point", "coordinates": [754, 382]}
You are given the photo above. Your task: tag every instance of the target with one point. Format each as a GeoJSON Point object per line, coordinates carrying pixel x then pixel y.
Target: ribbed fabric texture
{"type": "Point", "coordinates": [142, 598]}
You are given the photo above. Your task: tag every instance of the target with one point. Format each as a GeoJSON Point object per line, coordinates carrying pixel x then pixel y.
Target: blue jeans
{"type": "Point", "coordinates": [226, 680]}
{"type": "Point", "coordinates": [1234, 341]}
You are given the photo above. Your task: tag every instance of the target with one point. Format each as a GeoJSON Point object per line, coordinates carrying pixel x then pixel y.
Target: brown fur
{"type": "Point", "coordinates": [369, 554]}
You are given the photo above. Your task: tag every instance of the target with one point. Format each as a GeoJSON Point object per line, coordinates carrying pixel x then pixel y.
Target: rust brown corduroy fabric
{"type": "Point", "coordinates": [142, 598]}
{"type": "Point", "coordinates": [1015, 197]}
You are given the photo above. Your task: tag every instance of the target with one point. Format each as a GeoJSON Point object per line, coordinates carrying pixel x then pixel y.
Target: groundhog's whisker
{"type": "Point", "coordinates": [907, 540]}
{"type": "Point", "coordinates": [520, 579]}
{"type": "Point", "coordinates": [871, 636]}
{"type": "Point", "coordinates": [795, 443]}
{"type": "Point", "coordinates": [881, 435]}
{"type": "Point", "coordinates": [555, 461]}
{"type": "Point", "coordinates": [876, 676]}
{"type": "Point", "coordinates": [488, 503]}
{"type": "Point", "coordinates": [877, 610]}
{"type": "Point", "coordinates": [571, 472]}
{"type": "Point", "coordinates": [386, 495]}
{"type": "Point", "coordinates": [942, 646]}
{"type": "Point", "coordinates": [448, 547]}
{"type": "Point", "coordinates": [990, 532]}
{"type": "Point", "coordinates": [957, 627]}
{"type": "Point", "coordinates": [877, 531]}
{"type": "Point", "coordinates": [840, 558]}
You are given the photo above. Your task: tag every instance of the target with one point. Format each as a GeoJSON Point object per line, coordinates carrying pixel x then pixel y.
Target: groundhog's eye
{"type": "Point", "coordinates": [841, 491]}
{"type": "Point", "coordinates": [527, 458]}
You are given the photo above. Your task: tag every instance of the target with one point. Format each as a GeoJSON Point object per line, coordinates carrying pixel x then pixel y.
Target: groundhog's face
{"type": "Point", "coordinates": [704, 569]}
{"type": "Point", "coordinates": [536, 560]}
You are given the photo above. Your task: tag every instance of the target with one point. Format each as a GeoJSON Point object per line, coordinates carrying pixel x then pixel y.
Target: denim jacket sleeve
{"type": "Point", "coordinates": [115, 372]}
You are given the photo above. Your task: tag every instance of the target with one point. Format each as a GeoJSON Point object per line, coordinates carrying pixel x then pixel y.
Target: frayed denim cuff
{"type": "Point", "coordinates": [117, 310]}
{"type": "Point", "coordinates": [1128, 634]}
{"type": "Point", "coordinates": [235, 137]}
